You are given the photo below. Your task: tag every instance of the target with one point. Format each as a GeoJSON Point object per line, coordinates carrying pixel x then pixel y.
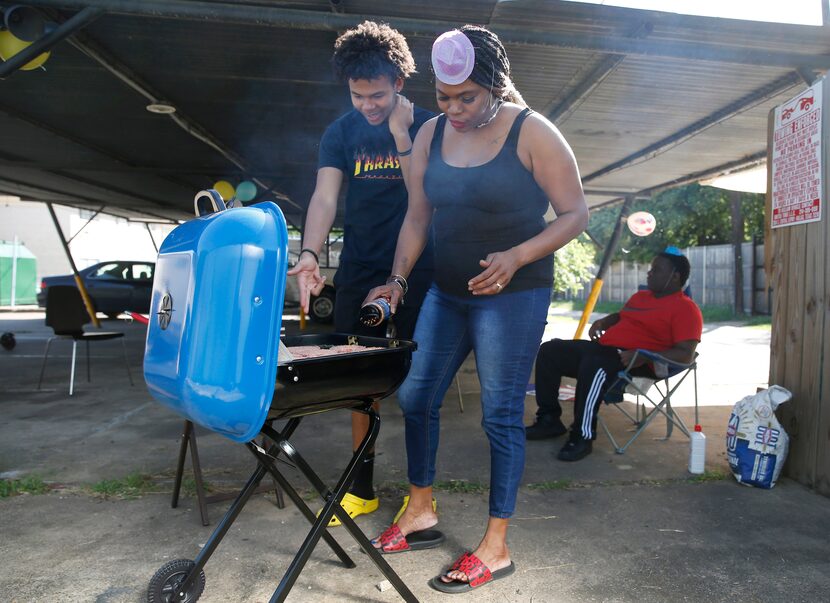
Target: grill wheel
{"type": "Point", "coordinates": [164, 584]}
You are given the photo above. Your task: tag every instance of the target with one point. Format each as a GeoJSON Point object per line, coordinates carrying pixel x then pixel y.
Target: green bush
{"type": "Point", "coordinates": [572, 267]}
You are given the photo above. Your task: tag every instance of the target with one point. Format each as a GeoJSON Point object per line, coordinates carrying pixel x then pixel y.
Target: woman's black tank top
{"type": "Point", "coordinates": [484, 209]}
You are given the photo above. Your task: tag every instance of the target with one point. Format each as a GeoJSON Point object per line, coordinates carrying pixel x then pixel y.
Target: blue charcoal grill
{"type": "Point", "coordinates": [212, 356]}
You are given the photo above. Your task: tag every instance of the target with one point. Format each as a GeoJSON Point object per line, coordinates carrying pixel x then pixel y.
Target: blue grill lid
{"type": "Point", "coordinates": [213, 338]}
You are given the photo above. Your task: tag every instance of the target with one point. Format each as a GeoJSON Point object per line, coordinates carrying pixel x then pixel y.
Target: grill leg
{"type": "Point", "coordinates": [180, 465]}
{"type": "Point", "coordinates": [88, 373]}
{"type": "Point", "coordinates": [189, 438]}
{"type": "Point", "coordinates": [233, 512]}
{"type": "Point", "coordinates": [224, 525]}
{"type": "Point", "coordinates": [280, 501]}
{"type": "Point", "coordinates": [267, 460]}
{"type": "Point", "coordinates": [197, 476]}
{"type": "Point", "coordinates": [332, 507]}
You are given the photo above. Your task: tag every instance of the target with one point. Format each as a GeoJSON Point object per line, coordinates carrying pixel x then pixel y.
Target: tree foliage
{"type": "Point", "coordinates": [573, 266]}
{"type": "Point", "coordinates": [687, 216]}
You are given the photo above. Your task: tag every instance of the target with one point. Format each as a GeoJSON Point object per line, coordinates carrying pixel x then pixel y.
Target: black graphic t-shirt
{"type": "Point", "coordinates": [376, 198]}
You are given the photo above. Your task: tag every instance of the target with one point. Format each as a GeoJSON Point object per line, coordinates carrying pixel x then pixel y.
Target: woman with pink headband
{"type": "Point", "coordinates": [482, 176]}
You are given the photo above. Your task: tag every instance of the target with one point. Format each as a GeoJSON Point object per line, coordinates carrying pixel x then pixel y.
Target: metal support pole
{"type": "Point", "coordinates": [81, 229]}
{"type": "Point", "coordinates": [65, 29]}
{"type": "Point", "coordinates": [14, 272]}
{"type": "Point", "coordinates": [78, 280]}
{"type": "Point", "coordinates": [150, 232]}
{"type": "Point", "coordinates": [610, 249]}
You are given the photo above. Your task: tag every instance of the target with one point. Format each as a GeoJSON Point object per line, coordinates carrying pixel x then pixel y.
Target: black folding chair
{"type": "Point", "coordinates": [67, 315]}
{"type": "Point", "coordinates": [656, 389]}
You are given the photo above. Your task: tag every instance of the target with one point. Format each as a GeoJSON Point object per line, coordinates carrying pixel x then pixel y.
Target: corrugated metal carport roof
{"type": "Point", "coordinates": [644, 98]}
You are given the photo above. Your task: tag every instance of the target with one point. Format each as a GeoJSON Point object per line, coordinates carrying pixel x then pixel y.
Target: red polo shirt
{"type": "Point", "coordinates": [655, 323]}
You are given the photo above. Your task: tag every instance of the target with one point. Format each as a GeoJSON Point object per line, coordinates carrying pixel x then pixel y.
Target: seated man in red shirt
{"type": "Point", "coordinates": [660, 319]}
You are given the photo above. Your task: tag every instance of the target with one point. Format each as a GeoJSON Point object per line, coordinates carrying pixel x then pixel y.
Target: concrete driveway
{"type": "Point", "coordinates": [609, 528]}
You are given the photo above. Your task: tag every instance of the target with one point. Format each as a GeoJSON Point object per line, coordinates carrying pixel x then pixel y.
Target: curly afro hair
{"type": "Point", "coordinates": [371, 50]}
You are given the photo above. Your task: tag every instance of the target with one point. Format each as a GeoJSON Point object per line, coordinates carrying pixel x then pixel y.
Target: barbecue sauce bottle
{"type": "Point", "coordinates": [375, 312]}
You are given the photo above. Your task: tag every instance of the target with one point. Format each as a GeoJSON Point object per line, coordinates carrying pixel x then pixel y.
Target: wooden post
{"type": "Point", "coordinates": [799, 266]}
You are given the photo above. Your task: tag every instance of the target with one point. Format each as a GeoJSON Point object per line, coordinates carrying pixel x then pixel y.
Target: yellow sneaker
{"type": "Point", "coordinates": [406, 504]}
{"type": "Point", "coordinates": [354, 506]}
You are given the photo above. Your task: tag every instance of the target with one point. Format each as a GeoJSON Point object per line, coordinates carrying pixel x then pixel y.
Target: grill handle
{"type": "Point", "coordinates": [208, 202]}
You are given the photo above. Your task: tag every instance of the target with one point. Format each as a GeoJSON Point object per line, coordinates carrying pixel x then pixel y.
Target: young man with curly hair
{"type": "Point", "coordinates": [368, 148]}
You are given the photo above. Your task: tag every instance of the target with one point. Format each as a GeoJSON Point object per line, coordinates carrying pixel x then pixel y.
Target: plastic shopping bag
{"type": "Point", "coordinates": [756, 444]}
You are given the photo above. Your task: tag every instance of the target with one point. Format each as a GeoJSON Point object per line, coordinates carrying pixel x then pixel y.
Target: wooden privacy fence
{"type": "Point", "coordinates": [712, 278]}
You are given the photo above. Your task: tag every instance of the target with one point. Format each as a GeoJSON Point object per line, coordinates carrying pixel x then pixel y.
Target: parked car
{"type": "Point", "coordinates": [114, 287]}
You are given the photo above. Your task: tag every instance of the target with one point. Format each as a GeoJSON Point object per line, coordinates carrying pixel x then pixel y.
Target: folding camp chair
{"type": "Point", "coordinates": [654, 388]}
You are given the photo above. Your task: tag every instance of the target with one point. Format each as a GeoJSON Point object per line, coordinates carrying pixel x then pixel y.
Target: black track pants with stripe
{"type": "Point", "coordinates": [595, 368]}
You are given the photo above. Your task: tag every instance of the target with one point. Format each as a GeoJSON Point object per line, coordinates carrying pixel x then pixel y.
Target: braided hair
{"type": "Point", "coordinates": [371, 50]}
{"type": "Point", "coordinates": [492, 67]}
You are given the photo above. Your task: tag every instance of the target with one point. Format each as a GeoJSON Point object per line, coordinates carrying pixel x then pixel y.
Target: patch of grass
{"type": "Point", "coordinates": [605, 307]}
{"type": "Point", "coordinates": [715, 475]}
{"type": "Point", "coordinates": [28, 485]}
{"type": "Point", "coordinates": [460, 486]}
{"type": "Point", "coordinates": [189, 486]}
{"type": "Point", "coordinates": [131, 486]}
{"type": "Point", "coordinates": [400, 484]}
{"type": "Point", "coordinates": [578, 305]}
{"type": "Point", "coordinates": [711, 313]}
{"type": "Point", "coordinates": [761, 320]}
{"type": "Point", "coordinates": [557, 484]}
{"type": "Point", "coordinates": [718, 314]}
{"type": "Point", "coordinates": [726, 314]}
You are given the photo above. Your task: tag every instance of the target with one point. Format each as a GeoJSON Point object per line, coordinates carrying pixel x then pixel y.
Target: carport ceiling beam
{"type": "Point", "coordinates": [583, 89]}
{"type": "Point", "coordinates": [134, 81]}
{"type": "Point", "coordinates": [39, 192]}
{"type": "Point", "coordinates": [726, 168]}
{"type": "Point", "coordinates": [256, 14]}
{"type": "Point", "coordinates": [128, 167]}
{"type": "Point", "coordinates": [107, 188]}
{"type": "Point", "coordinates": [772, 89]}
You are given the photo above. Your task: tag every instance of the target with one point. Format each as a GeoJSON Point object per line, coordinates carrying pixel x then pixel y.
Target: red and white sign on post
{"type": "Point", "coordinates": [796, 159]}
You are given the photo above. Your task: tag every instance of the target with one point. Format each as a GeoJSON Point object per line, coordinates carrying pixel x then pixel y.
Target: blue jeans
{"type": "Point", "coordinates": [504, 331]}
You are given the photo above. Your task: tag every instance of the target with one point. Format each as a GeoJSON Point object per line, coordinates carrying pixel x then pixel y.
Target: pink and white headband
{"type": "Point", "coordinates": [453, 57]}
